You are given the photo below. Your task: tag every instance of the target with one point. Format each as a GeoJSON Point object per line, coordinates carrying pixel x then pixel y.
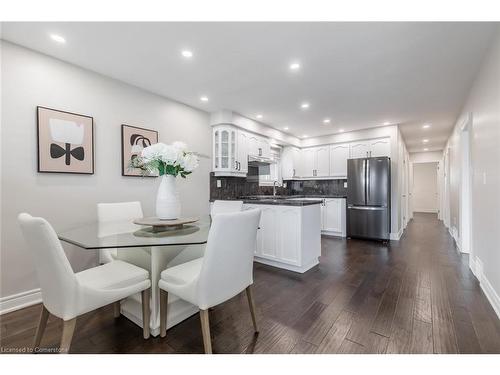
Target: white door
{"type": "Point", "coordinates": [289, 237]}
{"type": "Point", "coordinates": [267, 234]}
{"type": "Point", "coordinates": [332, 215]}
{"type": "Point", "coordinates": [242, 152]}
{"type": "Point", "coordinates": [338, 160]}
{"type": "Point", "coordinates": [359, 150]}
{"type": "Point", "coordinates": [380, 147]}
{"type": "Point", "coordinates": [425, 187]}
{"type": "Point", "coordinates": [308, 162]}
{"type": "Point", "coordinates": [322, 161]}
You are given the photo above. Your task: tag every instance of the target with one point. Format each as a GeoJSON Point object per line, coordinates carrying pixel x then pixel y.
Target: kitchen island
{"type": "Point", "coordinates": [289, 234]}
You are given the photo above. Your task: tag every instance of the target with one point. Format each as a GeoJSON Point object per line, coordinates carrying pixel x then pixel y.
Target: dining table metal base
{"type": "Point", "coordinates": [156, 260]}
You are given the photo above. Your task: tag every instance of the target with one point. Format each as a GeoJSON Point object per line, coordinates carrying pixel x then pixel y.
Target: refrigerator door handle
{"type": "Point", "coordinates": [367, 208]}
{"type": "Point", "coordinates": [368, 180]}
{"type": "Point", "coordinates": [365, 177]}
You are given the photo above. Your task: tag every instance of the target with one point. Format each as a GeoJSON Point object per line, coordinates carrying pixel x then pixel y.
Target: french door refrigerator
{"type": "Point", "coordinates": [369, 198]}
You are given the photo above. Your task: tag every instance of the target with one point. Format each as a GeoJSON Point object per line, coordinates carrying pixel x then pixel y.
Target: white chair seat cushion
{"type": "Point", "coordinates": [114, 275]}
{"type": "Point", "coordinates": [182, 280]}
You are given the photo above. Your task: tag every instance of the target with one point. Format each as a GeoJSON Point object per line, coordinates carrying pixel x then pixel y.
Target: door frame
{"type": "Point", "coordinates": [465, 206]}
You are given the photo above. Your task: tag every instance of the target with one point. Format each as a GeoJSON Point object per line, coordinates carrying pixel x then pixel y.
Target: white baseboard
{"type": "Point", "coordinates": [396, 236]}
{"type": "Point", "coordinates": [476, 266]}
{"type": "Point", "coordinates": [20, 300]}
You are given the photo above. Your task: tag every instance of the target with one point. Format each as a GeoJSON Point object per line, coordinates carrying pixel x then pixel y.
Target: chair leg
{"type": "Point", "coordinates": [67, 335]}
{"type": "Point", "coordinates": [42, 323]}
{"type": "Point", "coordinates": [146, 313]}
{"type": "Point", "coordinates": [205, 330]}
{"type": "Point", "coordinates": [251, 304]}
{"type": "Point", "coordinates": [163, 312]}
{"type": "Point", "coordinates": [116, 309]}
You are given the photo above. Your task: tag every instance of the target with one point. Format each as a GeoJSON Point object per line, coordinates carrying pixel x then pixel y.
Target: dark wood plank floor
{"type": "Point", "coordinates": [414, 296]}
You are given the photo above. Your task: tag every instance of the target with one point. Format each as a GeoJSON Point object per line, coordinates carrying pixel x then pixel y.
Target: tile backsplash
{"type": "Point", "coordinates": [235, 187]}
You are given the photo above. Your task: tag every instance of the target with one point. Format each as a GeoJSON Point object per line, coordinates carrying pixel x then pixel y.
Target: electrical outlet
{"type": "Point", "coordinates": [284, 185]}
{"type": "Point", "coordinates": [345, 184]}
{"type": "Point", "coordinates": [219, 183]}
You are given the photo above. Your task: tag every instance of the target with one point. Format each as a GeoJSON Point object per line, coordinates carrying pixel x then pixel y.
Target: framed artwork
{"type": "Point", "coordinates": [134, 139]}
{"type": "Point", "coordinates": [65, 142]}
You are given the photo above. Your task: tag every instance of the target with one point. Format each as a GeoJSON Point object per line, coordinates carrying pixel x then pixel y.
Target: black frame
{"type": "Point", "coordinates": [123, 156]}
{"type": "Point", "coordinates": [38, 140]}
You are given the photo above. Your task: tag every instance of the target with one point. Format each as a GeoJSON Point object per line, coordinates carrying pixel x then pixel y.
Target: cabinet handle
{"type": "Point", "coordinates": [260, 152]}
{"type": "Point", "coordinates": [293, 172]}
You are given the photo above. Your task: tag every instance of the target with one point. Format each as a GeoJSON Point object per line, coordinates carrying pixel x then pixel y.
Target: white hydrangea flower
{"type": "Point", "coordinates": [189, 162]}
{"type": "Point", "coordinates": [181, 146]}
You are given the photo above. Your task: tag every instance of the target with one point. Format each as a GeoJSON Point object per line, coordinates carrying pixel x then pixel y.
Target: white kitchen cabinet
{"type": "Point", "coordinates": [370, 148]}
{"type": "Point", "coordinates": [259, 146]}
{"type": "Point", "coordinates": [308, 164]}
{"type": "Point", "coordinates": [380, 147]}
{"type": "Point", "coordinates": [242, 153]}
{"type": "Point", "coordinates": [316, 162]}
{"type": "Point", "coordinates": [225, 152]}
{"type": "Point", "coordinates": [339, 154]}
{"type": "Point", "coordinates": [333, 217]}
{"type": "Point", "coordinates": [288, 237]}
{"type": "Point", "coordinates": [290, 163]}
{"type": "Point", "coordinates": [359, 149]}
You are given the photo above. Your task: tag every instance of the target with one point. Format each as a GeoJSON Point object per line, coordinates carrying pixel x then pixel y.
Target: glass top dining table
{"type": "Point", "coordinates": [126, 234]}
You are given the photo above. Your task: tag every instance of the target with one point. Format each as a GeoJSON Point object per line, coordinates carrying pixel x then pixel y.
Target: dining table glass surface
{"type": "Point", "coordinates": [126, 234]}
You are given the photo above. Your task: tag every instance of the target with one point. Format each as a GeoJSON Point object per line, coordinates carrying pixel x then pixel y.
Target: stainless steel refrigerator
{"type": "Point", "coordinates": [369, 198]}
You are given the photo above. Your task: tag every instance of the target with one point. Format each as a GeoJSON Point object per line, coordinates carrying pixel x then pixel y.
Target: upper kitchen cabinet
{"type": "Point", "coordinates": [259, 146]}
{"type": "Point", "coordinates": [290, 159]}
{"type": "Point", "coordinates": [242, 151]}
{"type": "Point", "coordinates": [339, 154]}
{"type": "Point", "coordinates": [227, 160]}
{"type": "Point", "coordinates": [315, 162]}
{"type": "Point", "coordinates": [380, 147]}
{"type": "Point", "coordinates": [371, 148]}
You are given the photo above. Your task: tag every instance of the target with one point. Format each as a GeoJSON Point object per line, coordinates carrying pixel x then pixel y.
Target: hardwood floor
{"type": "Point", "coordinates": [414, 296]}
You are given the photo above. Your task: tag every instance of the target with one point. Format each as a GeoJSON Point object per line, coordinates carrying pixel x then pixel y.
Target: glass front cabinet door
{"type": "Point", "coordinates": [225, 144]}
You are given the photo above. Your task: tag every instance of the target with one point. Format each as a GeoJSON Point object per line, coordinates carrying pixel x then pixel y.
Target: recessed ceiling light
{"type": "Point", "coordinates": [305, 136]}
{"type": "Point", "coordinates": [304, 105]}
{"type": "Point", "coordinates": [326, 121]}
{"type": "Point", "coordinates": [57, 38]}
{"type": "Point", "coordinates": [187, 53]}
{"type": "Point", "coordinates": [426, 149]}
{"type": "Point", "coordinates": [425, 140]}
{"type": "Point", "coordinates": [286, 128]}
{"type": "Point", "coordinates": [295, 66]}
{"type": "Point", "coordinates": [387, 123]}
{"type": "Point", "coordinates": [341, 130]}
{"type": "Point", "coordinates": [204, 98]}
{"type": "Point", "coordinates": [426, 126]}
{"type": "Point", "coordinates": [259, 116]}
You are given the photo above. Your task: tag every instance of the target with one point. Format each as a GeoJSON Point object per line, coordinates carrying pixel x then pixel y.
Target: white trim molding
{"type": "Point", "coordinates": [396, 236]}
{"type": "Point", "coordinates": [476, 265]}
{"type": "Point", "coordinates": [20, 300]}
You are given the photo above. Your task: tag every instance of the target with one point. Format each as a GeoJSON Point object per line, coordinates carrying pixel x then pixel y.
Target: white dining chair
{"type": "Point", "coordinates": [115, 212]}
{"type": "Point", "coordinates": [66, 294]}
{"type": "Point", "coordinates": [225, 270]}
{"type": "Point", "coordinates": [224, 207]}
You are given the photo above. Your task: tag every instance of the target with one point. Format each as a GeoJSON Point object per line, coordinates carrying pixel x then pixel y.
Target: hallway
{"type": "Point", "coordinates": [414, 296]}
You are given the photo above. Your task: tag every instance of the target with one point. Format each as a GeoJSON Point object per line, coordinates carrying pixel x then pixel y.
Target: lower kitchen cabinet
{"type": "Point", "coordinates": [289, 237]}
{"type": "Point", "coordinates": [333, 215]}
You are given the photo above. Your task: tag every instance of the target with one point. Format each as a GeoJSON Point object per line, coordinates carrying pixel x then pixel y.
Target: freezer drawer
{"type": "Point", "coordinates": [368, 222]}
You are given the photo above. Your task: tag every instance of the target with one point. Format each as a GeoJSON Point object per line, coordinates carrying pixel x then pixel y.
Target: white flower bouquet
{"type": "Point", "coordinates": [173, 160]}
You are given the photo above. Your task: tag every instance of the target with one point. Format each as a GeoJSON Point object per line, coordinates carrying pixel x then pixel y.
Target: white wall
{"type": "Point", "coordinates": [30, 79]}
{"type": "Point", "coordinates": [425, 187]}
{"type": "Point", "coordinates": [484, 104]}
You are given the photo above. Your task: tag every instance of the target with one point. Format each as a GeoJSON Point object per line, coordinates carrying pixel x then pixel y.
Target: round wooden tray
{"type": "Point", "coordinates": [164, 225]}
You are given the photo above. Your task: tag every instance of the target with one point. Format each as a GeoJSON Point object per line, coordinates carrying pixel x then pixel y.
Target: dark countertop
{"type": "Point", "coordinates": [286, 200]}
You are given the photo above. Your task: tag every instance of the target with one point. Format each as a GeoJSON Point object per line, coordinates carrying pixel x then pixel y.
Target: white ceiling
{"type": "Point", "coordinates": [358, 74]}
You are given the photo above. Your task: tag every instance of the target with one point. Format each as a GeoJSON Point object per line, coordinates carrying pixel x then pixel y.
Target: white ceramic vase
{"type": "Point", "coordinates": [168, 205]}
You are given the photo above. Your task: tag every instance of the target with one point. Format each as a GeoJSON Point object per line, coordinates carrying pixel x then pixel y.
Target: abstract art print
{"type": "Point", "coordinates": [134, 139]}
{"type": "Point", "coordinates": [65, 142]}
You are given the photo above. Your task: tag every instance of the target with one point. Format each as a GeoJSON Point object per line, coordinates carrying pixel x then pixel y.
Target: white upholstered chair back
{"type": "Point", "coordinates": [224, 207]}
{"type": "Point", "coordinates": [228, 262]}
{"type": "Point", "coordinates": [109, 213]}
{"type": "Point", "coordinates": [57, 280]}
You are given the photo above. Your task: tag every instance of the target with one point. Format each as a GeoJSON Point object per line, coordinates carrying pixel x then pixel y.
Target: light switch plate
{"type": "Point", "coordinates": [219, 183]}
{"type": "Point", "coordinates": [345, 184]}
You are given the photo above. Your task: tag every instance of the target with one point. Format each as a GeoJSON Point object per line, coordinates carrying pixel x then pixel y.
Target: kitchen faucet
{"type": "Point", "coordinates": [274, 187]}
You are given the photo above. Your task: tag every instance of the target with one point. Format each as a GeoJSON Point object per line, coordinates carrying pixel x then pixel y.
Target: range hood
{"type": "Point", "coordinates": [257, 161]}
